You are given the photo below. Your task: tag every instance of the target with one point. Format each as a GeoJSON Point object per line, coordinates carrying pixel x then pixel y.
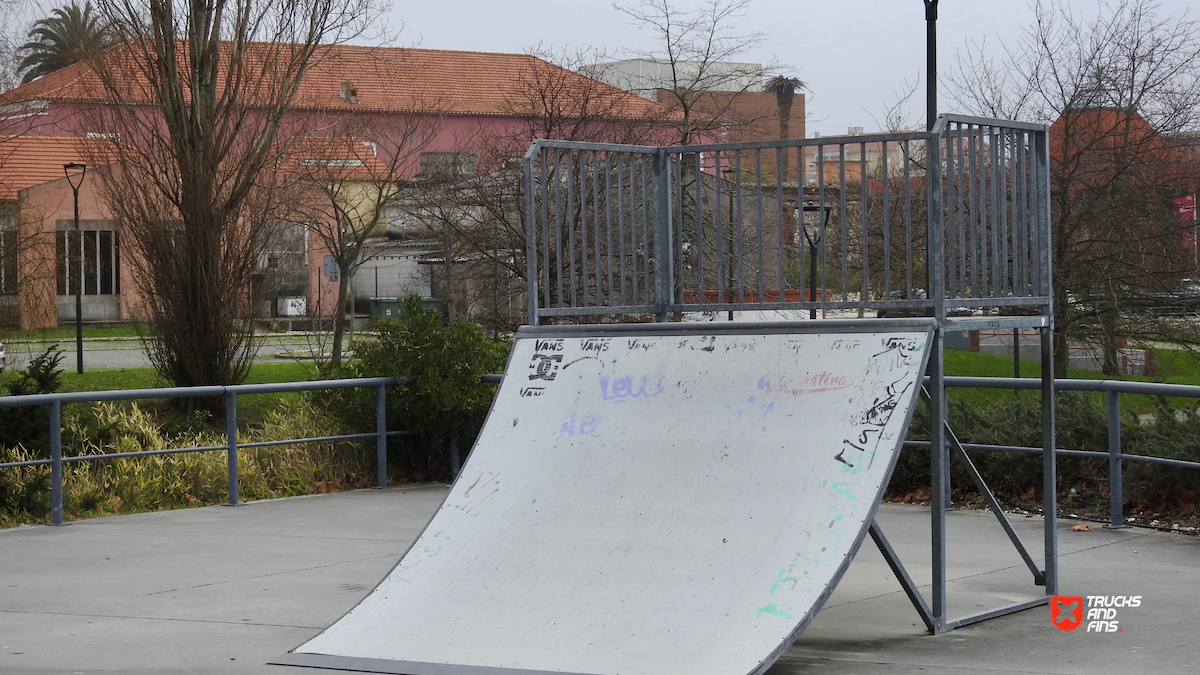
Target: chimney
{"type": "Point", "coordinates": [855, 131]}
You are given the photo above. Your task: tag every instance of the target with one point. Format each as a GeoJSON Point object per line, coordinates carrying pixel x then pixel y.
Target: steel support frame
{"type": "Point", "coordinates": [942, 441]}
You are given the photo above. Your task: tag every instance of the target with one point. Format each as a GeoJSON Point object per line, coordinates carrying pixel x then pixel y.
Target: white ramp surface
{"type": "Point", "coordinates": [657, 499]}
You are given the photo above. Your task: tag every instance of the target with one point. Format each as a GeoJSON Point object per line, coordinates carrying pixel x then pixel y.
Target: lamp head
{"type": "Point", "coordinates": [75, 166]}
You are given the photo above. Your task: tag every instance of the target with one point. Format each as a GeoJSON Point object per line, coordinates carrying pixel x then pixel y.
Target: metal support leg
{"type": "Point", "coordinates": [1116, 490]}
{"type": "Point", "coordinates": [1049, 463]}
{"type": "Point", "coordinates": [939, 468]}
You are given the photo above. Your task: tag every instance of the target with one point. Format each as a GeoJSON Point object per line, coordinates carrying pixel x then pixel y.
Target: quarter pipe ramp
{"type": "Point", "coordinates": [657, 498]}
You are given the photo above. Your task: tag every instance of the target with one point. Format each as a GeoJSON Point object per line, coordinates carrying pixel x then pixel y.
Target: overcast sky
{"type": "Point", "coordinates": [854, 54]}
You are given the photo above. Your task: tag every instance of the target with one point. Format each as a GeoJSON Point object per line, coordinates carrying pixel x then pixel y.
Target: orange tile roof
{"type": "Point", "coordinates": [386, 79]}
{"type": "Point", "coordinates": [26, 161]}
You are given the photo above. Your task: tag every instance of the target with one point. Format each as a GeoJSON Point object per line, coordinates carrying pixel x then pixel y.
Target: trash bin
{"type": "Point", "coordinates": [385, 308]}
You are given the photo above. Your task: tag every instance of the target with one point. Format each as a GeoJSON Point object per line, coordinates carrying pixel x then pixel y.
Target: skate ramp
{"type": "Point", "coordinates": [659, 498]}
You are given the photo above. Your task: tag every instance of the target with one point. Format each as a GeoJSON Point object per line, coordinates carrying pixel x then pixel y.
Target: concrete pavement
{"type": "Point", "coordinates": [224, 590]}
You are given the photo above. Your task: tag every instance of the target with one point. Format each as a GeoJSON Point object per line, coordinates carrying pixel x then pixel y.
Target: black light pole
{"type": "Point", "coordinates": [78, 282]}
{"type": "Point", "coordinates": [931, 62]}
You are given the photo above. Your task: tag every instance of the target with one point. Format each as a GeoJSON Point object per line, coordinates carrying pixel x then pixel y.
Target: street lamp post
{"type": "Point", "coordinates": [67, 168]}
{"type": "Point", "coordinates": [930, 63]}
{"type": "Point", "coordinates": [812, 249]}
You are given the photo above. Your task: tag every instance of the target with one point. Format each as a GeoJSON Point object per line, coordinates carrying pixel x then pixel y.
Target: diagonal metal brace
{"type": "Point", "coordinates": [1039, 576]}
{"type": "Point", "coordinates": [910, 588]}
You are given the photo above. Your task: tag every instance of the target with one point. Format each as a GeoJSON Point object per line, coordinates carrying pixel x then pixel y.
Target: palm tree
{"type": "Point", "coordinates": [784, 89]}
{"type": "Point", "coordinates": [67, 36]}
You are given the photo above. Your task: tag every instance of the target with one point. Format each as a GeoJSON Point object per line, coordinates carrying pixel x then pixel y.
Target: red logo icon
{"type": "Point", "coordinates": [1066, 611]}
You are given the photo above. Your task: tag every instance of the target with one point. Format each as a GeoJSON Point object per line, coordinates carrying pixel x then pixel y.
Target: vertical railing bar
{"type": "Point", "coordinates": [56, 463]}
{"type": "Point", "coordinates": [597, 276]}
{"type": "Point", "coordinates": [699, 199]}
{"type": "Point", "coordinates": [801, 240]}
{"type": "Point", "coordinates": [844, 253]}
{"type": "Point", "coordinates": [232, 440]}
{"type": "Point", "coordinates": [822, 222]}
{"type": "Point", "coordinates": [637, 216]}
{"type": "Point", "coordinates": [570, 223]}
{"type": "Point", "coordinates": [1021, 214]}
{"type": "Point", "coordinates": [758, 225]}
{"type": "Point", "coordinates": [620, 262]}
{"type": "Point", "coordinates": [863, 209]}
{"type": "Point", "coordinates": [558, 225]}
{"type": "Point", "coordinates": [972, 207]}
{"type": "Point", "coordinates": [583, 228]}
{"type": "Point", "coordinates": [741, 230]}
{"type": "Point", "coordinates": [908, 233]}
{"type": "Point", "coordinates": [648, 213]}
{"type": "Point", "coordinates": [381, 436]}
{"type": "Point", "coordinates": [961, 177]}
{"type": "Point", "coordinates": [544, 192]}
{"type": "Point", "coordinates": [608, 229]}
{"type": "Point", "coordinates": [1116, 494]}
{"type": "Point", "coordinates": [677, 239]}
{"type": "Point", "coordinates": [994, 197]}
{"type": "Point", "coordinates": [780, 253]}
{"type": "Point", "coordinates": [719, 193]}
{"type": "Point", "coordinates": [887, 239]}
{"type": "Point", "coordinates": [596, 238]}
{"type": "Point", "coordinates": [1006, 238]}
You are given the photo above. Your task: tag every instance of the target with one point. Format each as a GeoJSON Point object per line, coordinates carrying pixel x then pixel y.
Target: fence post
{"type": "Point", "coordinates": [664, 250]}
{"type": "Point", "coordinates": [1116, 490]}
{"type": "Point", "coordinates": [232, 453]}
{"type": "Point", "coordinates": [56, 474]}
{"type": "Point", "coordinates": [381, 436]}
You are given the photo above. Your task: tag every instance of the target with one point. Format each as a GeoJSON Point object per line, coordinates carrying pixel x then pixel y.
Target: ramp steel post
{"type": "Point", "coordinates": [232, 441]}
{"type": "Point", "coordinates": [381, 436]}
{"type": "Point", "coordinates": [664, 273]}
{"type": "Point", "coordinates": [531, 270]}
{"type": "Point", "coordinates": [1049, 463]}
{"type": "Point", "coordinates": [939, 457]}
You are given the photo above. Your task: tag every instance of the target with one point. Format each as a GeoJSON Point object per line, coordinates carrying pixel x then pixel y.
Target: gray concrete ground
{"type": "Point", "coordinates": [225, 590]}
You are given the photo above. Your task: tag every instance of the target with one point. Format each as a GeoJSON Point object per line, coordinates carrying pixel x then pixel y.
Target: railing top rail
{"type": "Point", "coordinates": [944, 121]}
{"type": "Point", "coordinates": [195, 392]}
{"type": "Point", "coordinates": [1119, 386]}
{"type": "Point", "coordinates": [537, 145]}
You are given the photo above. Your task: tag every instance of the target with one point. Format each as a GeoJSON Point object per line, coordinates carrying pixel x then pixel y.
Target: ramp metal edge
{"type": "Point", "coordinates": [391, 667]}
{"type": "Point", "coordinates": [730, 327]}
{"type": "Point", "coordinates": [869, 520]}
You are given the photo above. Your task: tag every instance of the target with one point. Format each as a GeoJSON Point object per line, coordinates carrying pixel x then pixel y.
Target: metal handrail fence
{"type": "Point", "coordinates": [230, 393]}
{"type": "Point", "coordinates": [885, 221]}
{"type": "Point", "coordinates": [1112, 389]}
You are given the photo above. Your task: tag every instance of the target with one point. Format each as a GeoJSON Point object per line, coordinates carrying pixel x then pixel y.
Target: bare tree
{"type": "Point", "coordinates": [203, 89]}
{"type": "Point", "coordinates": [477, 216]}
{"type": "Point", "coordinates": [699, 49]}
{"type": "Point", "coordinates": [1119, 89]}
{"type": "Point", "coordinates": [345, 184]}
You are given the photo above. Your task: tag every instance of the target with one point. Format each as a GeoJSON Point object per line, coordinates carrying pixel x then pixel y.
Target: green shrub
{"type": "Point", "coordinates": [446, 360]}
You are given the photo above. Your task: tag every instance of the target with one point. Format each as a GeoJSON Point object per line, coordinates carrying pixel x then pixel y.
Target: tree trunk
{"type": "Point", "coordinates": [339, 323]}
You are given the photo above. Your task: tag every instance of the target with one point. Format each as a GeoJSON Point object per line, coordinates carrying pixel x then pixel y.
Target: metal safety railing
{"type": "Point", "coordinates": [1112, 389]}
{"type": "Point", "coordinates": [911, 220]}
{"type": "Point", "coordinates": [230, 393]}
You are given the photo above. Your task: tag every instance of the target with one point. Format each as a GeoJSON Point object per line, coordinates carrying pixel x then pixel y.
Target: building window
{"type": "Point", "coordinates": [8, 261]}
{"type": "Point", "coordinates": [88, 262]}
{"type": "Point", "coordinates": [449, 165]}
